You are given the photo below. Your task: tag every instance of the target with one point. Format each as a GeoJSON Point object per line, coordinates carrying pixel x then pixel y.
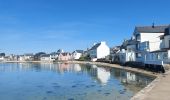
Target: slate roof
{"type": "Point", "coordinates": [167, 31]}
{"type": "Point", "coordinates": [65, 54]}
{"type": "Point", "coordinates": [29, 54]}
{"type": "Point", "coordinates": [45, 55]}
{"type": "Point", "coordinates": [79, 51]}
{"type": "Point", "coordinates": [59, 51]}
{"type": "Point", "coordinates": [95, 46]}
{"type": "Point", "coordinates": [151, 29]}
{"type": "Point", "coordinates": [128, 42]}
{"type": "Point", "coordinates": [132, 42]}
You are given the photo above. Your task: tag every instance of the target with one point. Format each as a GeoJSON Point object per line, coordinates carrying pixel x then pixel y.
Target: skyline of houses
{"type": "Point", "coordinates": [147, 45]}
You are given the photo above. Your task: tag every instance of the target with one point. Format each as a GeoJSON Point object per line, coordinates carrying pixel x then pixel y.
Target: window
{"type": "Point", "coordinates": [165, 55]}
{"type": "Point", "coordinates": [138, 55]}
{"type": "Point", "coordinates": [157, 56]}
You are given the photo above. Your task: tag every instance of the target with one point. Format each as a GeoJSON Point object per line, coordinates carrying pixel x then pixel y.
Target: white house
{"type": "Point", "coordinates": [161, 56]}
{"type": "Point", "coordinates": [77, 54]}
{"type": "Point", "coordinates": [2, 56]}
{"type": "Point", "coordinates": [99, 50]}
{"type": "Point", "coordinates": [146, 45]}
{"type": "Point", "coordinates": [127, 51]}
{"type": "Point", "coordinates": [148, 40]}
{"type": "Point", "coordinates": [25, 57]}
{"type": "Point", "coordinates": [46, 57]}
{"type": "Point", "coordinates": [54, 55]}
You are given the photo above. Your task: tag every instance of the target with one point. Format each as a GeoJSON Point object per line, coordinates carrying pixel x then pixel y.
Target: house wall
{"type": "Point", "coordinates": [157, 57]}
{"type": "Point", "coordinates": [63, 58]}
{"type": "Point", "coordinates": [153, 38]}
{"type": "Point", "coordinates": [28, 57]}
{"type": "Point", "coordinates": [130, 56]}
{"type": "Point", "coordinates": [46, 59]}
{"type": "Point", "coordinates": [54, 56]}
{"type": "Point", "coordinates": [102, 51]}
{"type": "Point", "coordinates": [131, 48]}
{"type": "Point", "coordinates": [21, 58]}
{"type": "Point", "coordinates": [168, 54]}
{"type": "Point", "coordinates": [93, 53]}
{"type": "Point", "coordinates": [166, 41]}
{"type": "Point", "coordinates": [1, 58]}
{"type": "Point", "coordinates": [76, 55]}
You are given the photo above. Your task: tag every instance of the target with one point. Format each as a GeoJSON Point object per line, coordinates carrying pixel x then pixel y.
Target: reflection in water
{"type": "Point", "coordinates": [102, 74]}
{"type": "Point", "coordinates": [69, 81]}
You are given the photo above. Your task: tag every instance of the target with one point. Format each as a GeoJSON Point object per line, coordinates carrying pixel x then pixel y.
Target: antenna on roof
{"type": "Point", "coordinates": [153, 25]}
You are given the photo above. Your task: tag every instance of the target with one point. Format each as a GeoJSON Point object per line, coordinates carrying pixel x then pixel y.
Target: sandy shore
{"type": "Point", "coordinates": [119, 67]}
{"type": "Point", "coordinates": [159, 89]}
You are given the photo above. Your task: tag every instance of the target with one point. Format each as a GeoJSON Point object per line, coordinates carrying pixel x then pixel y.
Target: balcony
{"type": "Point", "coordinates": [144, 46]}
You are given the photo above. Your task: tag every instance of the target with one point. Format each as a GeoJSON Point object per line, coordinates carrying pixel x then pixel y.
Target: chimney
{"type": "Point", "coordinates": [103, 42]}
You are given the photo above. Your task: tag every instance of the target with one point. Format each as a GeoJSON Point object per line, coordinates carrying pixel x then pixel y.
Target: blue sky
{"type": "Point", "coordinates": [48, 25]}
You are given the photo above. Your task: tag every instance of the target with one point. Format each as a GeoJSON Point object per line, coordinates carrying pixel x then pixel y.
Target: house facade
{"type": "Point", "coordinates": [99, 51]}
{"type": "Point", "coordinates": [2, 56]}
{"type": "Point", "coordinates": [161, 56]}
{"type": "Point", "coordinates": [148, 40]}
{"type": "Point", "coordinates": [46, 58]}
{"type": "Point", "coordinates": [126, 52]}
{"type": "Point", "coordinates": [25, 57]}
{"type": "Point", "coordinates": [77, 54]}
{"type": "Point", "coordinates": [148, 45]}
{"type": "Point", "coordinates": [64, 56]}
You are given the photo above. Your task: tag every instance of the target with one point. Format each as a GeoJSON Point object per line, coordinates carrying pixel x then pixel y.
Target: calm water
{"type": "Point", "coordinates": [35, 81]}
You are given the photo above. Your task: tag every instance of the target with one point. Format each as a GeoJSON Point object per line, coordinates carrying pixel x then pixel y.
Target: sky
{"type": "Point", "coordinates": [30, 26]}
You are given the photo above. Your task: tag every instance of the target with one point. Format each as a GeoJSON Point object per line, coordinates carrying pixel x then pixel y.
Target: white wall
{"type": "Point", "coordinates": [1, 58]}
{"type": "Point", "coordinates": [153, 38]}
{"type": "Point", "coordinates": [76, 55]}
{"type": "Point", "coordinates": [46, 59]}
{"type": "Point", "coordinates": [103, 50]}
{"type": "Point", "coordinates": [168, 54]}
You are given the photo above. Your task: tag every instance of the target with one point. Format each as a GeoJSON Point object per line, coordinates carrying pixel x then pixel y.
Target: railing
{"type": "Point", "coordinates": [155, 62]}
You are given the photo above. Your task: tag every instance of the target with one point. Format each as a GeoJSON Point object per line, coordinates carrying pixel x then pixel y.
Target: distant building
{"type": "Point", "coordinates": [2, 56]}
{"type": "Point", "coordinates": [77, 54]}
{"type": "Point", "coordinates": [64, 56]}
{"type": "Point", "coordinates": [37, 56]}
{"type": "Point", "coordinates": [99, 50]}
{"type": "Point", "coordinates": [54, 55]}
{"type": "Point", "coordinates": [25, 57]}
{"type": "Point", "coordinates": [47, 57]}
{"type": "Point", "coordinates": [60, 51]}
{"type": "Point", "coordinates": [29, 57]}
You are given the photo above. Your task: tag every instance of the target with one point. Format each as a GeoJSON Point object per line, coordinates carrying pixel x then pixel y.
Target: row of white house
{"type": "Point", "coordinates": [62, 56]}
{"type": "Point", "coordinates": [59, 55]}
{"type": "Point", "coordinates": [148, 45]}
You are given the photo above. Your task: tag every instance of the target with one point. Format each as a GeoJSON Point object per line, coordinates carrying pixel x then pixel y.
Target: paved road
{"type": "Point", "coordinates": [158, 90]}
